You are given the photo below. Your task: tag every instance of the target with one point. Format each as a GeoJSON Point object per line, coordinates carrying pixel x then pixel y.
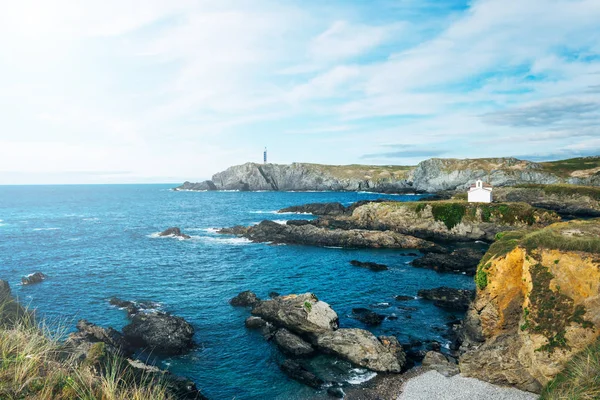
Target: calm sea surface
{"type": "Point", "coordinates": [95, 242]}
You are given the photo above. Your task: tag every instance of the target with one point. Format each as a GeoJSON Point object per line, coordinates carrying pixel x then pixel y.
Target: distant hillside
{"type": "Point", "coordinates": [431, 175]}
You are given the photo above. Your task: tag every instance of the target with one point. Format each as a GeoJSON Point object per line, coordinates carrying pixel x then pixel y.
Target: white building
{"type": "Point", "coordinates": [480, 193]}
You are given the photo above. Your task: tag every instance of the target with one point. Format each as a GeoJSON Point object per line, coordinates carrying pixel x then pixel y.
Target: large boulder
{"type": "Point", "coordinates": [174, 232]}
{"type": "Point", "coordinates": [291, 344]}
{"type": "Point", "coordinates": [302, 314]}
{"type": "Point", "coordinates": [367, 316]}
{"type": "Point", "coordinates": [449, 298]}
{"type": "Point", "coordinates": [160, 332]}
{"type": "Point", "coordinates": [460, 260]}
{"type": "Point", "coordinates": [245, 299]}
{"type": "Point", "coordinates": [438, 362]}
{"type": "Point", "coordinates": [364, 349]}
{"type": "Point", "coordinates": [31, 279]}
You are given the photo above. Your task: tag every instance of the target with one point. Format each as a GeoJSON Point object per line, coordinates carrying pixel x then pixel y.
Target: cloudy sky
{"type": "Point", "coordinates": [166, 91]}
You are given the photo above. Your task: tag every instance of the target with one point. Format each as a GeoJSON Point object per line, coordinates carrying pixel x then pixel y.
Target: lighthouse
{"type": "Point", "coordinates": [265, 156]}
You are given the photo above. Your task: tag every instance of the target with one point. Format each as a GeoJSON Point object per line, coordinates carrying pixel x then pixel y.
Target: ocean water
{"type": "Point", "coordinates": [98, 241]}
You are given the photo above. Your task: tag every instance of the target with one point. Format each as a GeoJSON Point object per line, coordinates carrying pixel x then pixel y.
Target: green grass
{"type": "Point", "coordinates": [565, 190]}
{"type": "Point", "coordinates": [564, 168]}
{"type": "Point", "coordinates": [579, 380]}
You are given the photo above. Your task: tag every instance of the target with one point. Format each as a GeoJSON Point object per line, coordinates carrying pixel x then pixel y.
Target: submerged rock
{"type": "Point", "coordinates": [175, 232]}
{"type": "Point", "coordinates": [449, 298]}
{"type": "Point", "coordinates": [460, 260]}
{"type": "Point", "coordinates": [298, 372]}
{"type": "Point", "coordinates": [370, 265]}
{"type": "Point", "coordinates": [317, 209]}
{"type": "Point", "coordinates": [245, 299]}
{"type": "Point", "coordinates": [401, 297]}
{"type": "Point", "coordinates": [364, 349]}
{"type": "Point", "coordinates": [367, 316]}
{"type": "Point", "coordinates": [31, 279]}
{"type": "Point", "coordinates": [303, 314]}
{"type": "Point", "coordinates": [291, 344]}
{"type": "Point", "coordinates": [160, 332]}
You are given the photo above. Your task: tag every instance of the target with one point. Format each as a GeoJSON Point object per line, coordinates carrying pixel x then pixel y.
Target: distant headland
{"type": "Point", "coordinates": [429, 176]}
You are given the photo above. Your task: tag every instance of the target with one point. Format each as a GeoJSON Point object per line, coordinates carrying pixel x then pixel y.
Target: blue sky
{"type": "Point", "coordinates": [157, 91]}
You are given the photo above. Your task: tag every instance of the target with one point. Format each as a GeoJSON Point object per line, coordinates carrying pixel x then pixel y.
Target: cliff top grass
{"type": "Point", "coordinates": [484, 164]}
{"type": "Point", "coordinates": [35, 365]}
{"type": "Point", "coordinates": [357, 171]}
{"type": "Point", "coordinates": [571, 167]}
{"type": "Point", "coordinates": [564, 190]}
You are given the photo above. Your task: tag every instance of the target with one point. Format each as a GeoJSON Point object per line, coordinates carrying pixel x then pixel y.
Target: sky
{"type": "Point", "coordinates": [124, 91]}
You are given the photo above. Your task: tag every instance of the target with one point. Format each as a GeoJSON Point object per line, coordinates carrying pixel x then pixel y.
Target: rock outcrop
{"type": "Point", "coordinates": [460, 260]}
{"type": "Point", "coordinates": [369, 265]}
{"type": "Point", "coordinates": [298, 372]}
{"type": "Point", "coordinates": [308, 234]}
{"type": "Point", "coordinates": [303, 314]}
{"type": "Point", "coordinates": [316, 209]}
{"type": "Point", "coordinates": [160, 332]}
{"type": "Point", "coordinates": [440, 363]}
{"type": "Point", "coordinates": [291, 344]}
{"type": "Point", "coordinates": [433, 175]}
{"type": "Point", "coordinates": [447, 220]}
{"type": "Point", "coordinates": [449, 298]}
{"type": "Point", "coordinates": [11, 310]}
{"type": "Point", "coordinates": [36, 277]}
{"type": "Point", "coordinates": [245, 299]}
{"type": "Point", "coordinates": [537, 304]}
{"type": "Point", "coordinates": [566, 200]}
{"type": "Point", "coordinates": [174, 232]}
{"type": "Point", "coordinates": [363, 348]}
{"type": "Point", "coordinates": [367, 317]}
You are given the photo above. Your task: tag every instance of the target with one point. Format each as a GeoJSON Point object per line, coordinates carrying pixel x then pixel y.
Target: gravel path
{"type": "Point", "coordinates": [434, 386]}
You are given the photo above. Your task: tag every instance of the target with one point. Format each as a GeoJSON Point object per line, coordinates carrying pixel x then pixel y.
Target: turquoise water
{"type": "Point", "coordinates": [95, 242]}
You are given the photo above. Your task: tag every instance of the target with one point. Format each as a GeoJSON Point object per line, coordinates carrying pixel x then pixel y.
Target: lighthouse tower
{"type": "Point", "coordinates": [265, 156]}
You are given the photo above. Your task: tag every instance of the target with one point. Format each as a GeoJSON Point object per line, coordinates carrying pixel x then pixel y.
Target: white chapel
{"type": "Point", "coordinates": [480, 192]}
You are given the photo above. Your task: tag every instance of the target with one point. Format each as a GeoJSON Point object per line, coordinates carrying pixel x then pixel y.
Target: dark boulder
{"type": "Point", "coordinates": [245, 299]}
{"type": "Point", "coordinates": [401, 297]}
{"type": "Point", "coordinates": [128, 306]}
{"type": "Point", "coordinates": [299, 373]}
{"type": "Point", "coordinates": [449, 298]}
{"type": "Point", "coordinates": [291, 344]}
{"type": "Point", "coordinates": [317, 209]}
{"type": "Point", "coordinates": [370, 265]}
{"type": "Point", "coordinates": [298, 222]}
{"type": "Point", "coordinates": [253, 322]}
{"type": "Point", "coordinates": [367, 316]}
{"type": "Point", "coordinates": [274, 294]}
{"type": "Point", "coordinates": [36, 277]}
{"type": "Point", "coordinates": [160, 332]}
{"type": "Point", "coordinates": [175, 232]}
{"type": "Point", "coordinates": [336, 392]}
{"type": "Point", "coordinates": [88, 334]}
{"type": "Point", "coordinates": [460, 260]}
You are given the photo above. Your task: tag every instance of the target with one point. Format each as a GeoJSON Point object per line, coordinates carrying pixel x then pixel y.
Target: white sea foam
{"type": "Point", "coordinates": [92, 219]}
{"type": "Point", "coordinates": [332, 247]}
{"type": "Point", "coordinates": [46, 229]}
{"type": "Point", "coordinates": [231, 241]}
{"type": "Point", "coordinates": [479, 241]}
{"type": "Point", "coordinates": [359, 375]}
{"type": "Point", "coordinates": [280, 221]}
{"type": "Point", "coordinates": [264, 212]}
{"type": "Point", "coordinates": [157, 235]}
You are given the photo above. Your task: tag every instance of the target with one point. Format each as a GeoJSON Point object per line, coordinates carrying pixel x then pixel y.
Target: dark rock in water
{"type": "Point", "coordinates": [273, 294]}
{"type": "Point", "coordinates": [392, 317]}
{"type": "Point", "coordinates": [449, 298]}
{"type": "Point", "coordinates": [129, 306]}
{"type": "Point", "coordinates": [291, 344]}
{"type": "Point", "coordinates": [298, 222]}
{"type": "Point", "coordinates": [317, 209]}
{"type": "Point", "coordinates": [460, 260]}
{"type": "Point", "coordinates": [253, 322]}
{"type": "Point", "coordinates": [412, 255]}
{"type": "Point", "coordinates": [416, 355]}
{"type": "Point", "coordinates": [175, 232]}
{"type": "Point", "coordinates": [200, 186]}
{"type": "Point", "coordinates": [245, 299]}
{"type": "Point", "coordinates": [234, 230]}
{"type": "Point", "coordinates": [297, 372]}
{"type": "Point", "coordinates": [434, 346]}
{"type": "Point", "coordinates": [370, 265]}
{"type": "Point", "coordinates": [36, 277]}
{"type": "Point", "coordinates": [367, 316]}
{"type": "Point", "coordinates": [160, 332]}
{"type": "Point", "coordinates": [404, 298]}
{"type": "Point", "coordinates": [336, 392]}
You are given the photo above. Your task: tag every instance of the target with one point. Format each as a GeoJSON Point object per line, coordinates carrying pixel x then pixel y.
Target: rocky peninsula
{"type": "Point", "coordinates": [429, 176]}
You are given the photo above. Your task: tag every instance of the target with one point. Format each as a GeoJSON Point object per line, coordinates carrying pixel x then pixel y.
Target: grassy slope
{"type": "Point", "coordinates": [564, 168]}
{"type": "Point", "coordinates": [356, 171]}
{"type": "Point", "coordinates": [35, 365]}
{"type": "Point", "coordinates": [565, 190]}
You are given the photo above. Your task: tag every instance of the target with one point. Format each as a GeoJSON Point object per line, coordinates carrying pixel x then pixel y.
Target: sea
{"type": "Point", "coordinates": [98, 241]}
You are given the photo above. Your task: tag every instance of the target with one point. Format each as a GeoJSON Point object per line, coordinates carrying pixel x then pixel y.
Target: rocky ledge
{"type": "Point", "coordinates": [308, 234]}
{"type": "Point", "coordinates": [304, 326]}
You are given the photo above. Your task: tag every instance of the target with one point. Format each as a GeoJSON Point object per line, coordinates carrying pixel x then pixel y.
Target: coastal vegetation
{"type": "Point", "coordinates": [35, 364]}
{"type": "Point", "coordinates": [565, 168]}
{"type": "Point", "coordinates": [564, 189]}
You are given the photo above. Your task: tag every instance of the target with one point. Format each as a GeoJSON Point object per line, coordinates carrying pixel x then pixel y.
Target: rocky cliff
{"type": "Point", "coordinates": [431, 175]}
{"type": "Point", "coordinates": [537, 304]}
